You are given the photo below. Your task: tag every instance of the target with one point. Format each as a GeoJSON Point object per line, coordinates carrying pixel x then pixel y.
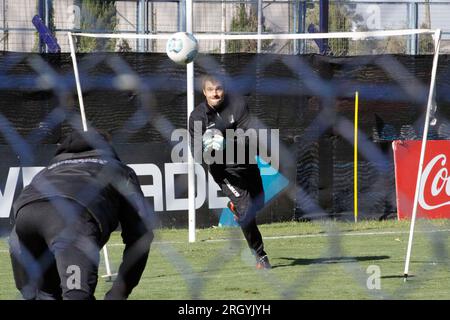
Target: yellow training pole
{"type": "Point", "coordinates": [355, 161]}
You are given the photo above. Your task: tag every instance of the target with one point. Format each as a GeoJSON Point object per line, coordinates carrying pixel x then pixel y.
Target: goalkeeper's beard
{"type": "Point", "coordinates": [215, 101]}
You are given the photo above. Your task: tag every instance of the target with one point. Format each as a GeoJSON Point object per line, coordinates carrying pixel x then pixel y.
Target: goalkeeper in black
{"type": "Point", "coordinates": [240, 181]}
{"type": "Point", "coordinates": [66, 215]}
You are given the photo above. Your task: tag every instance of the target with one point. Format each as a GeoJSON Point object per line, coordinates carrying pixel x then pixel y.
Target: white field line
{"type": "Point", "coordinates": [299, 236]}
{"type": "Point", "coordinates": [344, 234]}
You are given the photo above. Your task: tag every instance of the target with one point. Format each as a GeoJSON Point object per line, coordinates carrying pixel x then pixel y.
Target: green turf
{"type": "Point", "coordinates": [321, 260]}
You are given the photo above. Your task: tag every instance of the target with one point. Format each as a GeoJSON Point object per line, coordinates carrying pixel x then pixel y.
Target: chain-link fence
{"type": "Point", "coordinates": [141, 99]}
{"type": "Point", "coordinates": [309, 98]}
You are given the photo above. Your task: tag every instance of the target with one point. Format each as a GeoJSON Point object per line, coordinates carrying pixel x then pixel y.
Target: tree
{"type": "Point", "coordinates": [342, 17]}
{"type": "Point", "coordinates": [246, 20]}
{"type": "Point", "coordinates": [398, 44]}
{"type": "Point", "coordinates": [124, 46]}
{"type": "Point", "coordinates": [97, 16]}
{"type": "Point", "coordinates": [426, 42]}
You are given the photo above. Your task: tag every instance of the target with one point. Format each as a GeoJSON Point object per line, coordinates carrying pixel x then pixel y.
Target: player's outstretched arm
{"type": "Point", "coordinates": [137, 235]}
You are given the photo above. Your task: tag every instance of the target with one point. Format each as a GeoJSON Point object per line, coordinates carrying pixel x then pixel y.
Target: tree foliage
{"type": "Point", "coordinates": [97, 16]}
{"type": "Point", "coordinates": [342, 17]}
{"type": "Point", "coordinates": [246, 21]}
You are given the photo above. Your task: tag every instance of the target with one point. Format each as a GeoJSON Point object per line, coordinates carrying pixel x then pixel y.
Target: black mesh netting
{"type": "Point", "coordinates": [310, 99]}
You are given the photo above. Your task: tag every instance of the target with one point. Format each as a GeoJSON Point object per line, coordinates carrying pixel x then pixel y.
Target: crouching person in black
{"type": "Point", "coordinates": [66, 215]}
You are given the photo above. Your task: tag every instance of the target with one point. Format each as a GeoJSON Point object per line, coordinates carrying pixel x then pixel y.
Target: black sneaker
{"type": "Point", "coordinates": [263, 263]}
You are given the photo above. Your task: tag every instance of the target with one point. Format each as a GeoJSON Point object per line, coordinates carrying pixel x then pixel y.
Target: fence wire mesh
{"type": "Point", "coordinates": [141, 99]}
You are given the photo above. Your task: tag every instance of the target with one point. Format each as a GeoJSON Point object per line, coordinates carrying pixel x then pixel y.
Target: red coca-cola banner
{"type": "Point", "coordinates": [434, 193]}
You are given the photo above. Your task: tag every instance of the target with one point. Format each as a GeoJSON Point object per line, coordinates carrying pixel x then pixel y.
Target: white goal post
{"type": "Point", "coordinates": [436, 33]}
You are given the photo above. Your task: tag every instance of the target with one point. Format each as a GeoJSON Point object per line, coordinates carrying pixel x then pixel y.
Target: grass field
{"type": "Point", "coordinates": [321, 260]}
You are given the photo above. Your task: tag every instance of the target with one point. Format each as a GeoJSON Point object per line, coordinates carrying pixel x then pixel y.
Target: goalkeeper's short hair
{"type": "Point", "coordinates": [213, 78]}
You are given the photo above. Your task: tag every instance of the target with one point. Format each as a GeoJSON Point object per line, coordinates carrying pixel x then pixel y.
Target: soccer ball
{"type": "Point", "coordinates": [182, 48]}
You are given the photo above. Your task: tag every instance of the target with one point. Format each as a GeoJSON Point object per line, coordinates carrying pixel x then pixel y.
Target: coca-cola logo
{"type": "Point", "coordinates": [434, 184]}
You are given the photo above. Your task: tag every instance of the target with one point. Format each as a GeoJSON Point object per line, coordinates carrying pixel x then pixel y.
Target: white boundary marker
{"type": "Point", "coordinates": [108, 275]}
{"type": "Point", "coordinates": [297, 236]}
{"type": "Point", "coordinates": [437, 42]}
{"type": "Point", "coordinates": [77, 81]}
{"type": "Point", "coordinates": [190, 108]}
{"type": "Point", "coordinates": [300, 236]}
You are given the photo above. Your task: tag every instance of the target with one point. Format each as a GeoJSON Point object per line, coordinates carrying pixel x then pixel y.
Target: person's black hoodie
{"type": "Point", "coordinates": [86, 169]}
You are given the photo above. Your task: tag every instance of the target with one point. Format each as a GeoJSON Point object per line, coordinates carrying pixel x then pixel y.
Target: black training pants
{"type": "Point", "coordinates": [55, 251]}
{"type": "Point", "coordinates": [245, 190]}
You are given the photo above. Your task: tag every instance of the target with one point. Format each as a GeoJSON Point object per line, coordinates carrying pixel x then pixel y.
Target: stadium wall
{"type": "Point", "coordinates": [316, 156]}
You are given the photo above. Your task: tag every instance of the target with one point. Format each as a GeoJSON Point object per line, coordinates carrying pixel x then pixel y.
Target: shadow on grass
{"type": "Point", "coordinates": [330, 260]}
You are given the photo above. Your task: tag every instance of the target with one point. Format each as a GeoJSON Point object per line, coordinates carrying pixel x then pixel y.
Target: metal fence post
{"type": "Point", "coordinates": [150, 25]}
{"type": "Point", "coordinates": [223, 47]}
{"type": "Point", "coordinates": [146, 25]}
{"type": "Point", "coordinates": [42, 14]}
{"type": "Point", "coordinates": [299, 25]}
{"type": "Point", "coordinates": [323, 23]}
{"type": "Point", "coordinates": [260, 13]}
{"type": "Point", "coordinates": [182, 15]}
{"type": "Point", "coordinates": [293, 8]}
{"type": "Point", "coordinates": [413, 23]}
{"type": "Point", "coordinates": [140, 24]}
